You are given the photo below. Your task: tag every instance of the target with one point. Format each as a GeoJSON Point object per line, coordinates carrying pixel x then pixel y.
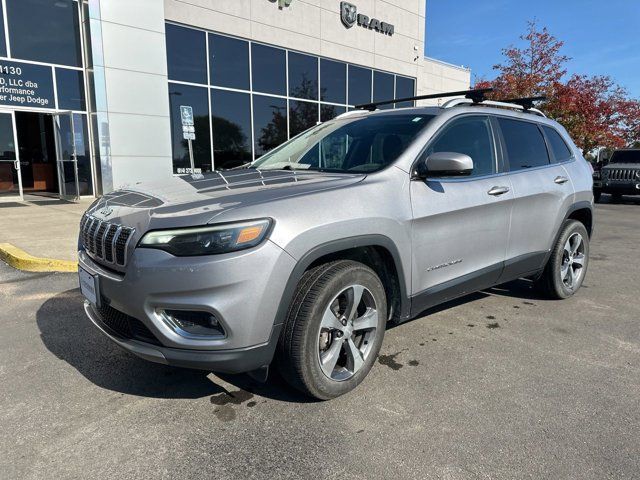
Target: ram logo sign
{"type": "Point", "coordinates": [350, 16]}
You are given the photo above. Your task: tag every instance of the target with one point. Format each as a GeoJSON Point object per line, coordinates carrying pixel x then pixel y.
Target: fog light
{"type": "Point", "coordinates": [192, 324]}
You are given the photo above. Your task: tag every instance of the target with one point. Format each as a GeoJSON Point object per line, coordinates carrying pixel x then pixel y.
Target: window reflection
{"type": "Point", "coordinates": [70, 87]}
{"type": "Point", "coordinates": [229, 62]}
{"type": "Point", "coordinates": [333, 81]}
{"type": "Point", "coordinates": [195, 97]}
{"type": "Point", "coordinates": [303, 76]}
{"type": "Point", "coordinates": [383, 88]}
{"type": "Point", "coordinates": [303, 115]}
{"type": "Point", "coordinates": [45, 31]}
{"type": "Point", "coordinates": [329, 112]}
{"type": "Point", "coordinates": [405, 88]}
{"type": "Point", "coordinates": [186, 54]}
{"type": "Point", "coordinates": [269, 69]}
{"type": "Point", "coordinates": [231, 124]}
{"type": "Point", "coordinates": [359, 85]}
{"type": "Point", "coordinates": [269, 123]}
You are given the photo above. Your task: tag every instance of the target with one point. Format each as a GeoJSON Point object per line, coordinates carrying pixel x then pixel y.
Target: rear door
{"type": "Point", "coordinates": [461, 224]}
{"type": "Point", "coordinates": [542, 192]}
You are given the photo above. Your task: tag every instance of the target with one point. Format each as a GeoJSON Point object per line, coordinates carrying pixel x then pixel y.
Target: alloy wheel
{"type": "Point", "coordinates": [573, 258]}
{"type": "Point", "coordinates": [347, 332]}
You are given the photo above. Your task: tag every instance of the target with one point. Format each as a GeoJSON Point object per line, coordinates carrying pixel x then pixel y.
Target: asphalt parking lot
{"type": "Point", "coordinates": [502, 384]}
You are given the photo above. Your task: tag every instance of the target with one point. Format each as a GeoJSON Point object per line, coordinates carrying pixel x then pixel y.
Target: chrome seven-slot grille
{"type": "Point", "coordinates": [621, 174]}
{"type": "Point", "coordinates": [105, 241]}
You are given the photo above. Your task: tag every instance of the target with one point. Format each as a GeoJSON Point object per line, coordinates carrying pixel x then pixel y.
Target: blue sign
{"type": "Point", "coordinates": [26, 85]}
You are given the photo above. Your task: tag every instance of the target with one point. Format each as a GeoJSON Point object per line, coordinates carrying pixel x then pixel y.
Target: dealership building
{"type": "Point", "coordinates": [101, 94]}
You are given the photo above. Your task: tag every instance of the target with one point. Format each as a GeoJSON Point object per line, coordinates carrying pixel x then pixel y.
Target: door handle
{"type": "Point", "coordinates": [561, 180]}
{"type": "Point", "coordinates": [495, 191]}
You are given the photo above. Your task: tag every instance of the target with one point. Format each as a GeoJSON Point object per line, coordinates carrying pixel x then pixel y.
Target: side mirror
{"type": "Point", "coordinates": [444, 164]}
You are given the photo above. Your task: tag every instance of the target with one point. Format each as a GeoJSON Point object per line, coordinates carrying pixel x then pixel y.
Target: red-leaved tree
{"type": "Point", "coordinates": [595, 110]}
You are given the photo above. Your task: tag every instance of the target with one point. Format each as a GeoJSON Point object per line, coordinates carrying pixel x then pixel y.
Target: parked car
{"type": "Point", "coordinates": [620, 176]}
{"type": "Point", "coordinates": [308, 253]}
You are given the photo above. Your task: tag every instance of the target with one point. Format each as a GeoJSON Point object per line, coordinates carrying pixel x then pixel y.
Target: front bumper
{"type": "Point", "coordinates": [243, 290]}
{"type": "Point", "coordinates": [223, 361]}
{"type": "Point", "coordinates": [623, 188]}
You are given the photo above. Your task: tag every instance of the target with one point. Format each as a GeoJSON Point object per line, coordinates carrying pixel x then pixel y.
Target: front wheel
{"type": "Point", "coordinates": [334, 329]}
{"type": "Point", "coordinates": [567, 266]}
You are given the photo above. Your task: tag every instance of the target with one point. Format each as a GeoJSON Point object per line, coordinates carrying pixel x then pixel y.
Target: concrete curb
{"type": "Point", "coordinates": [21, 260]}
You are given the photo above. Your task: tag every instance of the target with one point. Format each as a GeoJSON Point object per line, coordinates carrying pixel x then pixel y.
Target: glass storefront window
{"type": "Point", "coordinates": [70, 87]}
{"type": "Point", "coordinates": [359, 85]}
{"type": "Point", "coordinates": [303, 76]}
{"type": "Point", "coordinates": [269, 69]}
{"type": "Point", "coordinates": [186, 54]}
{"type": "Point", "coordinates": [269, 123]}
{"type": "Point", "coordinates": [229, 62]}
{"type": "Point", "coordinates": [405, 88]}
{"type": "Point", "coordinates": [45, 31]}
{"type": "Point", "coordinates": [333, 81]}
{"type": "Point", "coordinates": [197, 98]}
{"type": "Point", "coordinates": [288, 93]}
{"type": "Point", "coordinates": [383, 88]}
{"type": "Point", "coordinates": [302, 116]}
{"type": "Point", "coordinates": [329, 112]}
{"type": "Point", "coordinates": [231, 128]}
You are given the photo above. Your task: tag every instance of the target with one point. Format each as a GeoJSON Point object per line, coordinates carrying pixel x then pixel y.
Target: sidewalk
{"type": "Point", "coordinates": [43, 227]}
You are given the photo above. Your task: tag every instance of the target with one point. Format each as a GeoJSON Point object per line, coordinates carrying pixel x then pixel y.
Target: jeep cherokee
{"type": "Point", "coordinates": [304, 256]}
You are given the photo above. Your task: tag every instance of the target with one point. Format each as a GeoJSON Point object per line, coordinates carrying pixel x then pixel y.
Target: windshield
{"type": "Point", "coordinates": [625, 156]}
{"type": "Point", "coordinates": [362, 144]}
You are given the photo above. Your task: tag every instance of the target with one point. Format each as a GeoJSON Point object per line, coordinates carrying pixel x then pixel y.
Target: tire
{"type": "Point", "coordinates": [596, 195]}
{"type": "Point", "coordinates": [317, 353]}
{"type": "Point", "coordinates": [567, 266]}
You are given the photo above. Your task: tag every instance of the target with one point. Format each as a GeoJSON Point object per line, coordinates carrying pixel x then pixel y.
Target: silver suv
{"type": "Point", "coordinates": [305, 255]}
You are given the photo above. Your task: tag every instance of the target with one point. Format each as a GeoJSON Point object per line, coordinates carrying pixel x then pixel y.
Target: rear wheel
{"type": "Point", "coordinates": [334, 329]}
{"type": "Point", "coordinates": [567, 266]}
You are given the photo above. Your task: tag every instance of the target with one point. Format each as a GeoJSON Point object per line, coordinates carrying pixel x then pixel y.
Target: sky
{"type": "Point", "coordinates": [601, 37]}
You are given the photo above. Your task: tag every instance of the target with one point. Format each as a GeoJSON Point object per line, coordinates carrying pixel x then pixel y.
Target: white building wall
{"type": "Point", "coordinates": [437, 77]}
{"type": "Point", "coordinates": [132, 106]}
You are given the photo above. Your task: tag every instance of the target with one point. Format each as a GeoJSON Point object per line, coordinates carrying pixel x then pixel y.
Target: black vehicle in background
{"type": "Point", "coordinates": [620, 176]}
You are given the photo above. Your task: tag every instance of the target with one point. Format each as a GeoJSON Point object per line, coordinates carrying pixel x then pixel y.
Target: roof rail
{"type": "Point", "coordinates": [510, 104]}
{"type": "Point", "coordinates": [476, 96]}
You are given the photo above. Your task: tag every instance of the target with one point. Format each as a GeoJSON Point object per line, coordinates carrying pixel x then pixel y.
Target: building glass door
{"type": "Point", "coordinates": [10, 178]}
{"type": "Point", "coordinates": [66, 147]}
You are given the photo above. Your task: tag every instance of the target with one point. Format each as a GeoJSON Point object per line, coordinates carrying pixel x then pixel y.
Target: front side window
{"type": "Point", "coordinates": [525, 144]}
{"type": "Point", "coordinates": [559, 148]}
{"type": "Point", "coordinates": [45, 31]}
{"type": "Point", "coordinates": [347, 145]}
{"type": "Point", "coordinates": [471, 136]}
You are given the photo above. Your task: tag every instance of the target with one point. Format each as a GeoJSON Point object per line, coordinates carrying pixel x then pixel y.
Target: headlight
{"type": "Point", "coordinates": [596, 175]}
{"type": "Point", "coordinates": [188, 242]}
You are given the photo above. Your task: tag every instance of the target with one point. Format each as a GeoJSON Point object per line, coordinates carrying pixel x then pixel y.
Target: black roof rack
{"type": "Point", "coordinates": [477, 96]}
{"type": "Point", "coordinates": [525, 102]}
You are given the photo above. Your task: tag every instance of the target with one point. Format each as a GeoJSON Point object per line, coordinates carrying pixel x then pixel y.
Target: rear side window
{"type": "Point", "coordinates": [471, 136]}
{"type": "Point", "coordinates": [559, 148]}
{"type": "Point", "coordinates": [525, 144]}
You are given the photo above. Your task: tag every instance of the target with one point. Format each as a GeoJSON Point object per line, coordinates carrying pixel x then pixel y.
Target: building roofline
{"type": "Point", "coordinates": [447, 64]}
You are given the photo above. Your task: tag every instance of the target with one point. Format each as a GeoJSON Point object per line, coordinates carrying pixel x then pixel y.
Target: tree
{"type": "Point", "coordinates": [595, 110]}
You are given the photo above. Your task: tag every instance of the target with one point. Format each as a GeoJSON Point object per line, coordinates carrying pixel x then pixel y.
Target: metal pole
{"type": "Point", "coordinates": [193, 166]}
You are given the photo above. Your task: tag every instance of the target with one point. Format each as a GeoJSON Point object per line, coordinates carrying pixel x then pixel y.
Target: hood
{"type": "Point", "coordinates": [619, 166]}
{"type": "Point", "coordinates": [190, 200]}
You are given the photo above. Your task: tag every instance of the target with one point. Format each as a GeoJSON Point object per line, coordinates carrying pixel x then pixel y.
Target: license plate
{"type": "Point", "coordinates": [89, 285]}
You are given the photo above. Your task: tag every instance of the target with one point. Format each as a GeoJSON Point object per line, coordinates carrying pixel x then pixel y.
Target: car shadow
{"type": "Point", "coordinates": [71, 337]}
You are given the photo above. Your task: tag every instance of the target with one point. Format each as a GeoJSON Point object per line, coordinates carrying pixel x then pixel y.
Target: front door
{"type": "Point", "coordinates": [461, 225]}
{"type": "Point", "coordinates": [65, 134]}
{"type": "Point", "coordinates": [10, 177]}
